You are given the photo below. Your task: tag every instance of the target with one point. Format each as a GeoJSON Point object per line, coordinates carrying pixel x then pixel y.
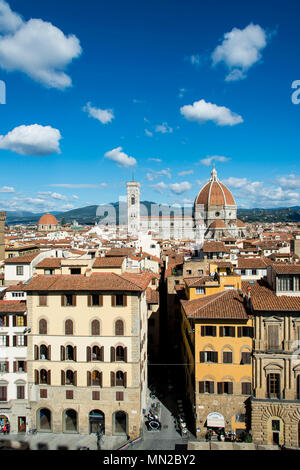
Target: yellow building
{"type": "Point", "coordinates": [217, 334]}
{"type": "Point", "coordinates": [199, 287]}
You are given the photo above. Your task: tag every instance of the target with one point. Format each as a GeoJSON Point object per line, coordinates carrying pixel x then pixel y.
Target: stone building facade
{"type": "Point", "coordinates": [87, 354]}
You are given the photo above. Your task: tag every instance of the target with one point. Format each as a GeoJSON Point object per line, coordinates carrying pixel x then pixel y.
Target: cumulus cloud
{"type": "Point", "coordinates": [179, 188]}
{"type": "Point", "coordinates": [32, 140]}
{"type": "Point", "coordinates": [290, 181]}
{"type": "Point", "coordinates": [175, 188]}
{"type": "Point", "coordinates": [9, 21]}
{"type": "Point", "coordinates": [164, 128]}
{"type": "Point", "coordinates": [57, 196]}
{"type": "Point", "coordinates": [36, 48]}
{"type": "Point", "coordinates": [102, 115]}
{"type": "Point", "coordinates": [240, 50]}
{"type": "Point", "coordinates": [187, 172]}
{"type": "Point", "coordinates": [157, 174]}
{"type": "Point", "coordinates": [120, 157]}
{"type": "Point", "coordinates": [214, 158]}
{"type": "Point", "coordinates": [80, 185]}
{"type": "Point", "coordinates": [7, 189]}
{"type": "Point", "coordinates": [202, 111]}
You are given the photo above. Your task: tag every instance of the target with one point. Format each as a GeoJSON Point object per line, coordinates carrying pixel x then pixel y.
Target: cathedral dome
{"type": "Point", "coordinates": [239, 223]}
{"type": "Point", "coordinates": [48, 219]}
{"type": "Point", "coordinates": [215, 193]}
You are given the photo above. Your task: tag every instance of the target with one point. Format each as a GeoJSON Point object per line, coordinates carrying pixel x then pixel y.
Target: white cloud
{"type": "Point", "coordinates": [179, 188]}
{"type": "Point", "coordinates": [175, 188]}
{"type": "Point", "coordinates": [7, 189]}
{"type": "Point", "coordinates": [67, 207]}
{"type": "Point", "coordinates": [187, 172]}
{"type": "Point", "coordinates": [32, 140]}
{"type": "Point", "coordinates": [181, 92]}
{"type": "Point", "coordinates": [120, 157]}
{"type": "Point", "coordinates": [74, 196]}
{"type": "Point", "coordinates": [240, 50]}
{"type": "Point", "coordinates": [164, 128]}
{"type": "Point", "coordinates": [9, 21]}
{"type": "Point", "coordinates": [157, 174]}
{"type": "Point", "coordinates": [235, 182]}
{"type": "Point", "coordinates": [102, 115]}
{"type": "Point", "coordinates": [36, 48]}
{"type": "Point", "coordinates": [58, 196]}
{"type": "Point", "coordinates": [290, 181]}
{"type": "Point", "coordinates": [201, 111]}
{"type": "Point", "coordinates": [217, 158]}
{"type": "Point", "coordinates": [158, 160]}
{"type": "Point", "coordinates": [148, 133]}
{"type": "Point", "coordinates": [160, 187]}
{"type": "Point", "coordinates": [80, 186]}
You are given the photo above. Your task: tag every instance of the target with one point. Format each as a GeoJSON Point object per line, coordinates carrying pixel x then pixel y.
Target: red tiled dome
{"type": "Point", "coordinates": [215, 193]}
{"type": "Point", "coordinates": [48, 219]}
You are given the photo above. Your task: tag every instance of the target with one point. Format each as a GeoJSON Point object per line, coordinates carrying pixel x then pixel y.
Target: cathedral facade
{"type": "Point", "coordinates": [212, 217]}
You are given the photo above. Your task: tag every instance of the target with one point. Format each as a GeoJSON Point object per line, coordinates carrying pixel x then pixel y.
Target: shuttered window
{"type": "Point", "coordinates": [43, 300]}
{"type": "Point", "coordinates": [69, 394]}
{"type": "Point", "coordinates": [246, 358]}
{"type": "Point", "coordinates": [3, 393]}
{"type": "Point", "coordinates": [119, 328]}
{"type": "Point", "coordinates": [227, 331]}
{"type": "Point", "coordinates": [208, 356]}
{"type": "Point", "coordinates": [95, 395]}
{"type": "Point", "coordinates": [227, 357]}
{"type": "Point", "coordinates": [273, 337]}
{"type": "Point", "coordinates": [225, 387]}
{"type": "Point", "coordinates": [43, 393]}
{"type": "Point", "coordinates": [119, 396]}
{"type": "Point", "coordinates": [208, 330]}
{"type": "Point", "coordinates": [207, 386]}
{"type": "Point", "coordinates": [246, 388]}
{"type": "Point", "coordinates": [42, 327]}
{"type": "Point", "coordinates": [95, 328]}
{"type": "Point", "coordinates": [20, 392]}
{"type": "Point", "coordinates": [68, 327]}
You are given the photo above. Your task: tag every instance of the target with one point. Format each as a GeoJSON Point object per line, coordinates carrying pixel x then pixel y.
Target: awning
{"type": "Point", "coordinates": [215, 420]}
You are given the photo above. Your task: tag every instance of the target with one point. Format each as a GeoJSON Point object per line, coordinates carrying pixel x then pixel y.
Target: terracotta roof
{"type": "Point", "coordinates": [140, 279]}
{"type": "Point", "coordinates": [112, 262]}
{"type": "Point", "coordinates": [24, 259]}
{"type": "Point", "coordinates": [120, 252]}
{"type": "Point", "coordinates": [50, 263]}
{"type": "Point", "coordinates": [218, 224]}
{"type": "Point", "coordinates": [12, 306]}
{"type": "Point", "coordinates": [197, 281]}
{"type": "Point", "coordinates": [251, 263]}
{"type": "Point", "coordinates": [212, 247]}
{"type": "Point", "coordinates": [94, 282]}
{"type": "Point", "coordinates": [222, 264]}
{"type": "Point", "coordinates": [286, 268]}
{"type": "Point", "coordinates": [263, 298]}
{"type": "Point", "coordinates": [228, 304]}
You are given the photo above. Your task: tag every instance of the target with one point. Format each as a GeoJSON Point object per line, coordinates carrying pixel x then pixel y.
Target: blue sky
{"type": "Point", "coordinates": [162, 88]}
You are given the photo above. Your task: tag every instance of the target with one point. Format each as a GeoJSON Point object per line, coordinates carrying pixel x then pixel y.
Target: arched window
{"type": "Point", "coordinates": [43, 327]}
{"type": "Point", "coordinates": [95, 327]}
{"type": "Point", "coordinates": [70, 421]}
{"type": "Point", "coordinates": [69, 377]}
{"type": "Point", "coordinates": [44, 419]}
{"type": "Point", "coordinates": [119, 328]}
{"type": "Point", "coordinates": [97, 353]}
{"type": "Point", "coordinates": [43, 377]}
{"type": "Point", "coordinates": [70, 356]}
{"type": "Point", "coordinates": [132, 200]}
{"type": "Point", "coordinates": [120, 353]}
{"type": "Point", "coordinates": [44, 352]}
{"type": "Point", "coordinates": [97, 378]}
{"type": "Point", "coordinates": [120, 378]}
{"type": "Point", "coordinates": [68, 327]}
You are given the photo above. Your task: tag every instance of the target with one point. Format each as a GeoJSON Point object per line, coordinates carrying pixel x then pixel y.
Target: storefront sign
{"type": "Point", "coordinates": [215, 420]}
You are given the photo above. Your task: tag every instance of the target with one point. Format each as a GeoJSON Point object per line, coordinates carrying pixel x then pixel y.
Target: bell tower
{"type": "Point", "coordinates": [133, 207]}
{"type": "Point", "coordinates": [2, 240]}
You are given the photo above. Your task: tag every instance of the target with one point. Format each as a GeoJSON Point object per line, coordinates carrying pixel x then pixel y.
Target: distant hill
{"type": "Point", "coordinates": [103, 214]}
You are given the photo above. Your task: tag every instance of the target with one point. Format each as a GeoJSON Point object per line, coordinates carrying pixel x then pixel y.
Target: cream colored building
{"type": "Point", "coordinates": [87, 353]}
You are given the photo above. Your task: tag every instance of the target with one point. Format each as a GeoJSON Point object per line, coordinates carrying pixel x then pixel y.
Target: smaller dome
{"type": "Point", "coordinates": [48, 219]}
{"type": "Point", "coordinates": [239, 223]}
{"type": "Point", "coordinates": [217, 224]}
